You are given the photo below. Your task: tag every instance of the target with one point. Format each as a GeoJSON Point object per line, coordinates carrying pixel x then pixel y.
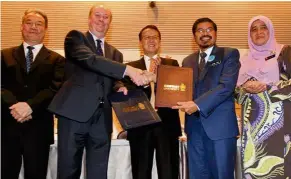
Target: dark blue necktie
{"type": "Point", "coordinates": [99, 48]}
{"type": "Point", "coordinates": [29, 58]}
{"type": "Point", "coordinates": [202, 61]}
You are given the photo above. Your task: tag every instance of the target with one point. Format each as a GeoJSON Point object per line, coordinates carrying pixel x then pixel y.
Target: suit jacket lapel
{"type": "Point", "coordinates": [142, 64]}
{"type": "Point", "coordinates": [91, 41]}
{"type": "Point", "coordinates": [19, 56]}
{"type": "Point", "coordinates": [40, 57]}
{"type": "Point", "coordinates": [108, 50]}
{"type": "Point", "coordinates": [194, 65]}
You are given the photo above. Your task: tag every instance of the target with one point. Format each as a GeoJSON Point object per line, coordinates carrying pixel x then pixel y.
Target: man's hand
{"type": "Point", "coordinates": [123, 89]}
{"type": "Point", "coordinates": [150, 76]}
{"type": "Point", "coordinates": [136, 75]}
{"type": "Point", "coordinates": [254, 87]}
{"type": "Point", "coordinates": [20, 111]}
{"type": "Point", "coordinates": [188, 107]}
{"type": "Point", "coordinates": [25, 119]}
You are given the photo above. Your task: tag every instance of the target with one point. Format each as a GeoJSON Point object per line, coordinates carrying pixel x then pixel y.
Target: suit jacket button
{"type": "Point", "coordinates": [25, 86]}
{"type": "Point", "coordinates": [101, 99]}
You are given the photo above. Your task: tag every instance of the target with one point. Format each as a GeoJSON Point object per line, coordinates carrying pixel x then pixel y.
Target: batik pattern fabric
{"type": "Point", "coordinates": [266, 129]}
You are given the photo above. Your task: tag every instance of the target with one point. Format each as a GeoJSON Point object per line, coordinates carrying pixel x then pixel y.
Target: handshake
{"type": "Point", "coordinates": [140, 77]}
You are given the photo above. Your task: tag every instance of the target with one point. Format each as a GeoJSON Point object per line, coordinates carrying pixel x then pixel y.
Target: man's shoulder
{"type": "Point", "coordinates": [76, 32]}
{"type": "Point", "coordinates": [112, 47]}
{"type": "Point", "coordinates": [228, 50]}
{"type": "Point", "coordinates": [169, 61]}
{"type": "Point", "coordinates": [9, 49]}
{"type": "Point", "coordinates": [135, 63]}
{"type": "Point", "coordinates": [7, 53]}
{"type": "Point", "coordinates": [191, 56]}
{"type": "Point", "coordinates": [55, 54]}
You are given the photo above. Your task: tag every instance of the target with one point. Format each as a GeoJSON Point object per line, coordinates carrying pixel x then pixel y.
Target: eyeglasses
{"type": "Point", "coordinates": [151, 37]}
{"type": "Point", "coordinates": [202, 31]}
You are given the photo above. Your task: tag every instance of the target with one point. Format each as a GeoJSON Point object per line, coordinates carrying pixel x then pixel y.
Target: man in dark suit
{"type": "Point", "coordinates": [31, 75]}
{"type": "Point", "coordinates": [81, 105]}
{"type": "Point", "coordinates": [211, 124]}
{"type": "Point", "coordinates": [162, 137]}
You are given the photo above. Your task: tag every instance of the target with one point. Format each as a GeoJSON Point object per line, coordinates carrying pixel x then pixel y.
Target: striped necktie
{"type": "Point", "coordinates": [29, 58]}
{"type": "Point", "coordinates": [99, 50]}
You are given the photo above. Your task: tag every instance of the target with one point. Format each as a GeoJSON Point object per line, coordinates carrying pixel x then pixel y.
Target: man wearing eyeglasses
{"type": "Point", "coordinates": [162, 137]}
{"type": "Point", "coordinates": [211, 123]}
{"type": "Point", "coordinates": [31, 75]}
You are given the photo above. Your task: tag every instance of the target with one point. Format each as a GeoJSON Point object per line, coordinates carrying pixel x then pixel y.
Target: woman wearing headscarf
{"type": "Point", "coordinates": [264, 90]}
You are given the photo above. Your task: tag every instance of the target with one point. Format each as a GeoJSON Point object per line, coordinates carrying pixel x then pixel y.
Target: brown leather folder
{"type": "Point", "coordinates": [174, 84]}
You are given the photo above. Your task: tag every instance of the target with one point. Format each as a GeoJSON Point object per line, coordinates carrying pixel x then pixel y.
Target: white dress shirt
{"type": "Point", "coordinates": [35, 51]}
{"type": "Point", "coordinates": [102, 42]}
{"type": "Point", "coordinates": [208, 52]}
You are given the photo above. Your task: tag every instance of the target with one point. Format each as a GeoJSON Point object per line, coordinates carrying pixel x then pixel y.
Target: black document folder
{"type": "Point", "coordinates": [134, 109]}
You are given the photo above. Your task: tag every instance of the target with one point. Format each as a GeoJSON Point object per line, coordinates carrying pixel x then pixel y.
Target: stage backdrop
{"type": "Point", "coordinates": [175, 20]}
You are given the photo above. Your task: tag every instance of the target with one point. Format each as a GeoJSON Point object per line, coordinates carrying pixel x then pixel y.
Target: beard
{"type": "Point", "coordinates": [203, 46]}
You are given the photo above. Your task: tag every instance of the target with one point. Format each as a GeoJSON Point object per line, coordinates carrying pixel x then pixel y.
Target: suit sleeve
{"type": "Point", "coordinates": [7, 96]}
{"type": "Point", "coordinates": [119, 58]}
{"type": "Point", "coordinates": [227, 82]}
{"type": "Point", "coordinates": [77, 50]}
{"type": "Point", "coordinates": [127, 82]}
{"type": "Point", "coordinates": [46, 95]}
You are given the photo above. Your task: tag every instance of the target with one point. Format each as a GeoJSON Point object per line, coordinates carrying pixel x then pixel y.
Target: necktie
{"type": "Point", "coordinates": [202, 61]}
{"type": "Point", "coordinates": [153, 68]}
{"type": "Point", "coordinates": [29, 58]}
{"type": "Point", "coordinates": [99, 48]}
{"type": "Point", "coordinates": [154, 64]}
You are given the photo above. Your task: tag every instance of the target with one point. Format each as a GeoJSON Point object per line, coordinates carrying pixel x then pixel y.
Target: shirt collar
{"type": "Point", "coordinates": [36, 47]}
{"type": "Point", "coordinates": [208, 52]}
{"type": "Point", "coordinates": [147, 58]}
{"type": "Point", "coordinates": [95, 38]}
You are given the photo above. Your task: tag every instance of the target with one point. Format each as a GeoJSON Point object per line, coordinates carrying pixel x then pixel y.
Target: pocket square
{"type": "Point", "coordinates": [215, 63]}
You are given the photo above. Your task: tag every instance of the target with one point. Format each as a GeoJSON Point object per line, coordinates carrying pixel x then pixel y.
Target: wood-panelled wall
{"type": "Point", "coordinates": [175, 20]}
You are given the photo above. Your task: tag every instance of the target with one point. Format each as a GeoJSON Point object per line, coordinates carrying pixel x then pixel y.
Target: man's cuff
{"type": "Point", "coordinates": [198, 107]}
{"type": "Point", "coordinates": [124, 72]}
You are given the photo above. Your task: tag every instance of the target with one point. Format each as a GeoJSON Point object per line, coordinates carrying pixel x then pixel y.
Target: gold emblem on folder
{"type": "Point", "coordinates": [141, 106]}
{"type": "Point", "coordinates": [182, 87]}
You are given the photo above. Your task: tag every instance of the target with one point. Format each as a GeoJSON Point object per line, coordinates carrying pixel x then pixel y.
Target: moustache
{"type": "Point", "coordinates": [205, 36]}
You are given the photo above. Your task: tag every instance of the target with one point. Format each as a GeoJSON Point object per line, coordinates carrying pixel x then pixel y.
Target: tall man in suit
{"type": "Point", "coordinates": [211, 124]}
{"type": "Point", "coordinates": [162, 137]}
{"type": "Point", "coordinates": [81, 105]}
{"type": "Point", "coordinates": [31, 75]}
